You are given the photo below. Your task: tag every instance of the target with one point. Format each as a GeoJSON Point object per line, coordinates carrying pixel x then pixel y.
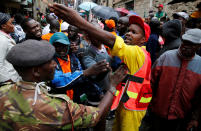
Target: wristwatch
{"type": "Point", "coordinates": [114, 91]}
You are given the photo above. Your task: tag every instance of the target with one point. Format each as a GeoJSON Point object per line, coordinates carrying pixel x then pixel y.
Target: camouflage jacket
{"type": "Point", "coordinates": [49, 113]}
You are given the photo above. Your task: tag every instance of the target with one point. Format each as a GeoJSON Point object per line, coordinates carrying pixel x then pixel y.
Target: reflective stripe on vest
{"type": "Point", "coordinates": [145, 100]}
{"type": "Point", "coordinates": [116, 93]}
{"type": "Point", "coordinates": [134, 96]}
{"type": "Point", "coordinates": [139, 91]}
{"type": "Point", "coordinates": [141, 88]}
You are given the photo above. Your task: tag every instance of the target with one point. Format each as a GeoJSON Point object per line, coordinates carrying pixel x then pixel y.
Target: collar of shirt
{"type": "Point", "coordinates": [26, 85]}
{"type": "Point", "coordinates": [5, 34]}
{"type": "Point", "coordinates": [123, 36]}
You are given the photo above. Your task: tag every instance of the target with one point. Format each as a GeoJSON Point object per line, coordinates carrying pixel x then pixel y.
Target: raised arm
{"type": "Point", "coordinates": [73, 18]}
{"type": "Point", "coordinates": [115, 79]}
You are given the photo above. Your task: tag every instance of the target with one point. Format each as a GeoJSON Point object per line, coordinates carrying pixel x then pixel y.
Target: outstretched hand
{"type": "Point", "coordinates": [73, 18]}
{"type": "Point", "coordinates": [67, 14]}
{"type": "Point", "coordinates": [97, 68]}
{"type": "Point", "coordinates": [118, 76]}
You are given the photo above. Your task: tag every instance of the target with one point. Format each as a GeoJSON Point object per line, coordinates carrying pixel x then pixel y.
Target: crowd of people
{"type": "Point", "coordinates": [68, 73]}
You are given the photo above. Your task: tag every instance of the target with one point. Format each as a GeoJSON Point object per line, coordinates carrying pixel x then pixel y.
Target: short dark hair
{"type": "Point", "coordinates": [49, 18]}
{"type": "Point", "coordinates": [54, 24]}
{"type": "Point", "coordinates": [24, 23]}
{"type": "Point", "coordinates": [115, 20]}
{"type": "Point", "coordinates": [155, 26]}
{"type": "Point", "coordinates": [19, 18]}
{"type": "Point", "coordinates": [21, 70]}
{"type": "Point", "coordinates": [72, 26]}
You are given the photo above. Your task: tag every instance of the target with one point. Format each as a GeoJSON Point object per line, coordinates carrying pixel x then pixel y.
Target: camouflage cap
{"type": "Point", "coordinates": [31, 53]}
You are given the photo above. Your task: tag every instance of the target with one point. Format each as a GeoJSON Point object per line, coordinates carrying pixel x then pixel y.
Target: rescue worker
{"type": "Point", "coordinates": [134, 96]}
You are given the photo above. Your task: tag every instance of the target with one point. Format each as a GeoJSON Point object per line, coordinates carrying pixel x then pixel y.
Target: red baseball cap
{"type": "Point", "coordinates": [161, 5]}
{"type": "Point", "coordinates": [138, 20]}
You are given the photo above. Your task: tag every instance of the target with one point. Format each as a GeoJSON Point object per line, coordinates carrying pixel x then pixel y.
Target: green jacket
{"type": "Point", "coordinates": [49, 113]}
{"type": "Point", "coordinates": [160, 15]}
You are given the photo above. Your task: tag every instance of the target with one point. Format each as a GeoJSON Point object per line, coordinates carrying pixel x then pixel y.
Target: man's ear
{"type": "Point", "coordinates": [3, 26]}
{"type": "Point", "coordinates": [36, 72]}
{"type": "Point", "coordinates": [143, 40]}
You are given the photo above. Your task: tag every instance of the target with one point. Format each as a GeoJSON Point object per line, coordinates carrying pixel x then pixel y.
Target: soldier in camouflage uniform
{"type": "Point", "coordinates": [27, 105]}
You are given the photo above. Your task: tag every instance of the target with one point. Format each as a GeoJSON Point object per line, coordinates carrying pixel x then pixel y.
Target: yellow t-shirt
{"type": "Point", "coordinates": [132, 55]}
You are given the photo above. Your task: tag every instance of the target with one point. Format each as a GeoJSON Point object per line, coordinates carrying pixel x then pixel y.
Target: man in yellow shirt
{"type": "Point", "coordinates": [131, 51]}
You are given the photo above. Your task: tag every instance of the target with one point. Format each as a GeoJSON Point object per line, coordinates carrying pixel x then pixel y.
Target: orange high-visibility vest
{"type": "Point", "coordinates": [66, 67]}
{"type": "Point", "coordinates": [136, 93]}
